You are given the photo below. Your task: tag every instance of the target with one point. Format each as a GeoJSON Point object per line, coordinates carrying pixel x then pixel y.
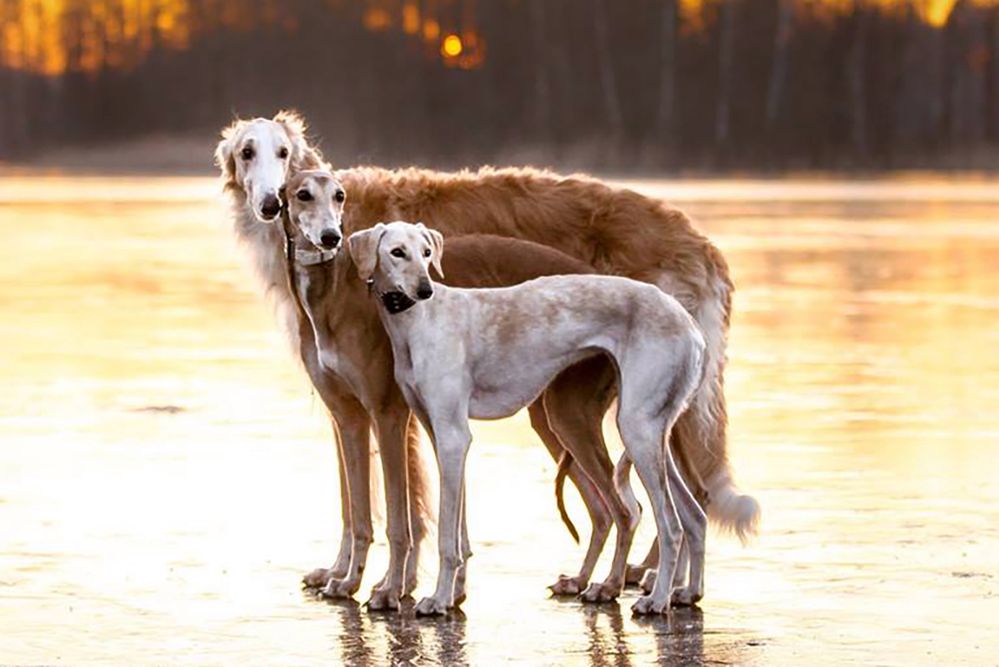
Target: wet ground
{"type": "Point", "coordinates": [166, 475]}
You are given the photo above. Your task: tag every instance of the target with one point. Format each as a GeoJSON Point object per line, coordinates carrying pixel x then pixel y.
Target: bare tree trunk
{"type": "Point", "coordinates": [726, 40]}
{"type": "Point", "coordinates": [667, 72]}
{"type": "Point", "coordinates": [608, 80]}
{"type": "Point", "coordinates": [778, 68]}
{"type": "Point", "coordinates": [992, 78]}
{"type": "Point", "coordinates": [855, 78]}
{"type": "Point", "coordinates": [542, 84]}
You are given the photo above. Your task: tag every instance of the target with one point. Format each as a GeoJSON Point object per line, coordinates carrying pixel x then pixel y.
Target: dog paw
{"type": "Point", "coordinates": [320, 576]}
{"type": "Point", "coordinates": [340, 589]}
{"type": "Point", "coordinates": [568, 585]}
{"type": "Point", "coordinates": [383, 599]}
{"type": "Point", "coordinates": [634, 574]}
{"type": "Point", "coordinates": [685, 597]}
{"type": "Point", "coordinates": [430, 606]}
{"type": "Point", "coordinates": [600, 592]}
{"type": "Point", "coordinates": [648, 581]}
{"type": "Point", "coordinates": [647, 605]}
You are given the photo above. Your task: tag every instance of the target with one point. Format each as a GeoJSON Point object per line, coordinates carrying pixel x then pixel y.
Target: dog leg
{"type": "Point", "coordinates": [417, 522]}
{"type": "Point", "coordinates": [390, 428]}
{"type": "Point", "coordinates": [451, 442]}
{"type": "Point", "coordinates": [600, 517]}
{"type": "Point", "coordinates": [575, 404]}
{"type": "Point", "coordinates": [466, 553]}
{"type": "Point", "coordinates": [355, 437]}
{"type": "Point", "coordinates": [319, 577]}
{"type": "Point", "coordinates": [644, 443]}
{"type": "Point", "coordinates": [695, 528]}
{"type": "Point", "coordinates": [637, 573]}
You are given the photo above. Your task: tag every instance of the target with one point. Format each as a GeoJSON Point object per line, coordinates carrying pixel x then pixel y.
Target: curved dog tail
{"type": "Point", "coordinates": [563, 470]}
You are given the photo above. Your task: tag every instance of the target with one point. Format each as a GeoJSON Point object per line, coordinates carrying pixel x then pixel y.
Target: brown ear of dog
{"type": "Point", "coordinates": [363, 248]}
{"type": "Point", "coordinates": [436, 241]}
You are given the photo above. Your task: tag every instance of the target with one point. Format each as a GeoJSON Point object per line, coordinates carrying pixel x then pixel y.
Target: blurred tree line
{"type": "Point", "coordinates": [635, 84]}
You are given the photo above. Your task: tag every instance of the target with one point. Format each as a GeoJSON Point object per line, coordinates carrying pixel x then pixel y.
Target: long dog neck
{"type": "Point", "coordinates": [316, 284]}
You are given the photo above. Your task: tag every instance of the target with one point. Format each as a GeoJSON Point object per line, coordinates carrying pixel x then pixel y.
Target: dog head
{"type": "Point", "coordinates": [257, 156]}
{"type": "Point", "coordinates": [315, 207]}
{"type": "Point", "coordinates": [395, 258]}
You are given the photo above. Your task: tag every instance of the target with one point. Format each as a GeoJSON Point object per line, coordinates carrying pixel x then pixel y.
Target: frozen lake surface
{"type": "Point", "coordinates": [166, 476]}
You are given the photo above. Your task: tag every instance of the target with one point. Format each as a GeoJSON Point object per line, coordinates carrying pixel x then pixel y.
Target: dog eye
{"type": "Point", "coordinates": [340, 195]}
{"type": "Point", "coordinates": [398, 252]}
{"type": "Point", "coordinates": [427, 253]}
{"type": "Point", "coordinates": [283, 153]}
{"type": "Point", "coordinates": [303, 195]}
{"type": "Point", "coordinates": [247, 153]}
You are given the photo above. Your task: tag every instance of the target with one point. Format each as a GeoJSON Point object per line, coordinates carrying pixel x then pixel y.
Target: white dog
{"type": "Point", "coordinates": [487, 353]}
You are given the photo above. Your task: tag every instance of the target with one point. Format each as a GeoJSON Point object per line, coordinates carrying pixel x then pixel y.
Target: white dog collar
{"type": "Point", "coordinates": [313, 257]}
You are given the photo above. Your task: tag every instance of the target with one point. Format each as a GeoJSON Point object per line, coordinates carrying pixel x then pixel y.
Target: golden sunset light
{"type": "Point", "coordinates": [555, 333]}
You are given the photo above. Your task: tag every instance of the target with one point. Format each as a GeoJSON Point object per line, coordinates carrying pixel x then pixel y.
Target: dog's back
{"type": "Point", "coordinates": [486, 260]}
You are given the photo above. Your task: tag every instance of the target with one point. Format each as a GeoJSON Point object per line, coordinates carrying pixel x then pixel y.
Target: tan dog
{"type": "Point", "coordinates": [327, 291]}
{"type": "Point", "coordinates": [465, 354]}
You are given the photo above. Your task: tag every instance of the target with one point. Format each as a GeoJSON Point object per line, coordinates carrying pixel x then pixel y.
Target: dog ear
{"type": "Point", "coordinates": [363, 248]}
{"type": "Point", "coordinates": [303, 156]}
{"type": "Point", "coordinates": [436, 241]}
{"type": "Point", "coordinates": [224, 159]}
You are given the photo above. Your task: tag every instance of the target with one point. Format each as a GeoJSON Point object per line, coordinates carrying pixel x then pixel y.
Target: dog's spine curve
{"type": "Point", "coordinates": [563, 470]}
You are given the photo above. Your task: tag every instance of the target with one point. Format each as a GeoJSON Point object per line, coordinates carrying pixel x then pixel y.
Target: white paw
{"type": "Point", "coordinates": [383, 599]}
{"type": "Point", "coordinates": [567, 585]}
{"type": "Point", "coordinates": [321, 576]}
{"type": "Point", "coordinates": [685, 597]}
{"type": "Point", "coordinates": [601, 592]}
{"type": "Point", "coordinates": [339, 589]}
{"type": "Point", "coordinates": [646, 605]}
{"type": "Point", "coordinates": [431, 607]}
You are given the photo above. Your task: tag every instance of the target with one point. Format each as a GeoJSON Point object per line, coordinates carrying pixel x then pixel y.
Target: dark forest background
{"type": "Point", "coordinates": [626, 84]}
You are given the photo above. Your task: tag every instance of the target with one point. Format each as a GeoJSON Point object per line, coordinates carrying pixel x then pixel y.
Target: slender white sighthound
{"type": "Point", "coordinates": [485, 354]}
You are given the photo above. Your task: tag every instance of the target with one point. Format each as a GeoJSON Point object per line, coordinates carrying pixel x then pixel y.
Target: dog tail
{"type": "Point", "coordinates": [733, 511]}
{"type": "Point", "coordinates": [563, 470]}
{"type": "Point", "coordinates": [699, 437]}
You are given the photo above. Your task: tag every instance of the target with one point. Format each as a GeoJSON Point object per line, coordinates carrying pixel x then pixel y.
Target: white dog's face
{"type": "Point", "coordinates": [256, 156]}
{"type": "Point", "coordinates": [397, 258]}
{"type": "Point", "coordinates": [315, 207]}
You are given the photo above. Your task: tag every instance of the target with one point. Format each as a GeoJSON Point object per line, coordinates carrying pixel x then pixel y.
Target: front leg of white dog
{"type": "Point", "coordinates": [452, 443]}
{"type": "Point", "coordinates": [466, 553]}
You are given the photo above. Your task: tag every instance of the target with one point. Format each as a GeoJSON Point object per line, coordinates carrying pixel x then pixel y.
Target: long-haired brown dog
{"type": "Point", "coordinates": [615, 231]}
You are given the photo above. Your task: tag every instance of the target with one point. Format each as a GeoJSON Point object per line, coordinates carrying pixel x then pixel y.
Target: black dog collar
{"type": "Point", "coordinates": [396, 302]}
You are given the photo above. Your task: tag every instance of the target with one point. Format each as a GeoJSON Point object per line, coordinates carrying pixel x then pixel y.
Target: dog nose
{"type": "Point", "coordinates": [329, 238]}
{"type": "Point", "coordinates": [271, 206]}
{"type": "Point", "coordinates": [424, 292]}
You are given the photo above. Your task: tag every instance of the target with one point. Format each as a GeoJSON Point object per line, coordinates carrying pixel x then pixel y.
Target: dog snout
{"type": "Point", "coordinates": [330, 238]}
{"type": "Point", "coordinates": [425, 291]}
{"type": "Point", "coordinates": [270, 206]}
